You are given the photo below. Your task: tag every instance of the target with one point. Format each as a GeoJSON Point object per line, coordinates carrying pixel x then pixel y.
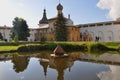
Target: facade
{"type": "Point", "coordinates": [102, 31]}
{"type": "Point", "coordinates": [5, 31]}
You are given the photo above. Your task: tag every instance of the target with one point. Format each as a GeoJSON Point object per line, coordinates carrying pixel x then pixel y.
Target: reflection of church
{"type": "Point", "coordinates": [59, 64]}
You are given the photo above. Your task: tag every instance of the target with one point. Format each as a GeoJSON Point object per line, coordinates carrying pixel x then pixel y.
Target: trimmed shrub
{"type": "Point", "coordinates": [118, 48]}
{"type": "Point", "coordinates": [31, 48]}
{"type": "Point", "coordinates": [66, 47]}
{"type": "Point", "coordinates": [97, 47]}
{"type": "Point", "coordinates": [73, 47]}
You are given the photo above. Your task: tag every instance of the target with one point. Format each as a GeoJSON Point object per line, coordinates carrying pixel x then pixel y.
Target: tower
{"type": "Point", "coordinates": [59, 8]}
{"type": "Point", "coordinates": [44, 19]}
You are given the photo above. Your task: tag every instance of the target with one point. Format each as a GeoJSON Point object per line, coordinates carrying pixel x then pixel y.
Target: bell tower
{"type": "Point", "coordinates": [59, 8]}
{"type": "Point", "coordinates": [44, 19]}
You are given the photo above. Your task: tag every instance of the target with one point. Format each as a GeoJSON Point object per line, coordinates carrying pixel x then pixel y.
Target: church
{"type": "Point", "coordinates": [108, 31]}
{"type": "Point", "coordinates": [47, 27]}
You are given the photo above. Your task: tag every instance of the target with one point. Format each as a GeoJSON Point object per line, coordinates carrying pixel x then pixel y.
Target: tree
{"type": "Point", "coordinates": [1, 37]}
{"type": "Point", "coordinates": [20, 29]}
{"type": "Point", "coordinates": [43, 39]}
{"type": "Point", "coordinates": [16, 39]}
{"type": "Point", "coordinates": [60, 28]}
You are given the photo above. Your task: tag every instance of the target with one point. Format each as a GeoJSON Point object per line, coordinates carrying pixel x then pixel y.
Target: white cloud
{"type": "Point", "coordinates": [9, 10]}
{"type": "Point", "coordinates": [112, 5]}
{"type": "Point", "coordinates": [20, 4]}
{"type": "Point", "coordinates": [113, 74]}
{"type": "Point", "coordinates": [26, 9]}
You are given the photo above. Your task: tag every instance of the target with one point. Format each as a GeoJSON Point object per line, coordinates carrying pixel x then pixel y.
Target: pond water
{"type": "Point", "coordinates": [78, 66]}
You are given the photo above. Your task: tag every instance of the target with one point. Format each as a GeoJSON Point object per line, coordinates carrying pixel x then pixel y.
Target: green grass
{"type": "Point", "coordinates": [8, 48]}
{"type": "Point", "coordinates": [112, 44]}
{"type": "Point", "coordinates": [11, 46]}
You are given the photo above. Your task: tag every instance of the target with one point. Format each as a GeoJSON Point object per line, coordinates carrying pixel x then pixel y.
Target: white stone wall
{"type": "Point", "coordinates": [107, 33]}
{"type": "Point", "coordinates": [5, 32]}
{"type": "Point", "coordinates": [51, 26]}
{"type": "Point", "coordinates": [32, 35]}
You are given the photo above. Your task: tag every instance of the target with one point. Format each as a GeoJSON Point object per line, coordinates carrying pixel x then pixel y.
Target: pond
{"type": "Point", "coordinates": [78, 66]}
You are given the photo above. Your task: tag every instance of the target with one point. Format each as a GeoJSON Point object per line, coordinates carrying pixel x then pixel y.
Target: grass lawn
{"type": "Point", "coordinates": [108, 44]}
{"type": "Point", "coordinates": [8, 48]}
{"type": "Point", "coordinates": [112, 44]}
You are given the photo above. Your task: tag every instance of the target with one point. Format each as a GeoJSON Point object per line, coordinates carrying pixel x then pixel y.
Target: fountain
{"type": "Point", "coordinates": [59, 52]}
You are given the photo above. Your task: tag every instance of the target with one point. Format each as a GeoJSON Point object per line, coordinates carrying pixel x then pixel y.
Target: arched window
{"type": "Point", "coordinates": [101, 36]}
{"type": "Point", "coordinates": [119, 35]}
{"type": "Point", "coordinates": [110, 36]}
{"type": "Point", "coordinates": [93, 36]}
{"type": "Point", "coordinates": [1, 37]}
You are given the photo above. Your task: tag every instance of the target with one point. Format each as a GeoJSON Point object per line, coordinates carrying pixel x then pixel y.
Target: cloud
{"type": "Point", "coordinates": [113, 74]}
{"type": "Point", "coordinates": [10, 10]}
{"type": "Point", "coordinates": [21, 4]}
{"type": "Point", "coordinates": [113, 6]}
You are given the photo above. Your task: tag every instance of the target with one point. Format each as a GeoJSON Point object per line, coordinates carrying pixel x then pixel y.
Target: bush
{"type": "Point", "coordinates": [97, 47]}
{"type": "Point", "coordinates": [73, 47]}
{"type": "Point", "coordinates": [118, 48]}
{"type": "Point", "coordinates": [31, 48]}
{"type": "Point", "coordinates": [42, 39]}
{"type": "Point", "coordinates": [16, 39]}
{"type": "Point", "coordinates": [51, 46]}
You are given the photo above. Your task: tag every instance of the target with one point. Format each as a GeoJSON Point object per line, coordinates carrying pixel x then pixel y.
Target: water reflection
{"type": "Point", "coordinates": [113, 74]}
{"type": "Point", "coordinates": [20, 62]}
{"type": "Point", "coordinates": [44, 64]}
{"type": "Point", "coordinates": [106, 58]}
{"type": "Point", "coordinates": [5, 57]}
{"type": "Point", "coordinates": [60, 64]}
{"type": "Point", "coordinates": [78, 66]}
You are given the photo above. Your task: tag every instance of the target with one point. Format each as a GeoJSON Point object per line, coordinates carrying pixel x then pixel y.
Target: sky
{"type": "Point", "coordinates": [81, 11]}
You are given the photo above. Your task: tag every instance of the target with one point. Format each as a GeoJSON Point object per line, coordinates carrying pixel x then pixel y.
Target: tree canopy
{"type": "Point", "coordinates": [60, 28]}
{"type": "Point", "coordinates": [20, 29]}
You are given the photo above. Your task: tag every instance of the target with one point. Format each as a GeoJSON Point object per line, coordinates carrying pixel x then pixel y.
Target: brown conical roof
{"type": "Point", "coordinates": [59, 50]}
{"type": "Point", "coordinates": [44, 20]}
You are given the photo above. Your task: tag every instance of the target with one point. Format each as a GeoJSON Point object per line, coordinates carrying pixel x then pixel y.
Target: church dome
{"type": "Point", "coordinates": [44, 19]}
{"type": "Point", "coordinates": [59, 7]}
{"type": "Point", "coordinates": [69, 22]}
